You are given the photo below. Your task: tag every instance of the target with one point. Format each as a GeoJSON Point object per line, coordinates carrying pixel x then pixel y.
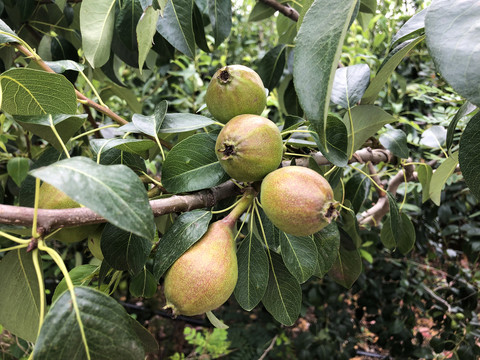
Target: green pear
{"type": "Point", "coordinates": [52, 198]}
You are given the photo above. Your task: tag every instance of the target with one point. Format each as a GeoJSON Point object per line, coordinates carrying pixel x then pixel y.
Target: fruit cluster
{"type": "Point", "coordinates": [297, 200]}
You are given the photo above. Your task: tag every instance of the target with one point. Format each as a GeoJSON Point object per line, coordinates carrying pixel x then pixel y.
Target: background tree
{"type": "Point", "coordinates": [104, 101]}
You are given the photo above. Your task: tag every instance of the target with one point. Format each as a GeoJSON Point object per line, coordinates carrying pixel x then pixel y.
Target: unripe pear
{"type": "Point", "coordinates": [235, 90]}
{"type": "Point", "coordinates": [204, 277]}
{"type": "Point", "coordinates": [249, 147]}
{"type": "Point", "coordinates": [52, 198]}
{"type": "Point", "coordinates": [298, 200]}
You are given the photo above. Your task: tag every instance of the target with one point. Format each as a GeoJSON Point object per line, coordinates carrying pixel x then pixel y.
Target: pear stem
{"type": "Point", "coordinates": [242, 206]}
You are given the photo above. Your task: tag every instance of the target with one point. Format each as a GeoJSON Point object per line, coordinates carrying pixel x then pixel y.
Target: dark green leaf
{"type": "Point", "coordinates": [199, 29]}
{"type": "Point", "coordinates": [357, 190]}
{"type": "Point", "coordinates": [27, 7]}
{"type": "Point", "coordinates": [347, 267]}
{"type": "Point", "coordinates": [43, 126]}
{"type": "Point", "coordinates": [366, 121]}
{"type": "Point", "coordinates": [468, 156]}
{"type": "Point", "coordinates": [349, 85]}
{"type": "Point", "coordinates": [394, 215]}
{"type": "Point", "coordinates": [324, 27]}
{"type": "Point", "coordinates": [193, 165]}
{"type": "Point", "coordinates": [20, 295]}
{"type": "Point", "coordinates": [123, 250]}
{"type": "Point", "coordinates": [126, 19]}
{"type": "Point", "coordinates": [327, 241]}
{"type": "Point", "coordinates": [176, 26]}
{"type": "Point", "coordinates": [113, 191]}
{"type": "Point", "coordinates": [465, 109]}
{"type": "Point", "coordinates": [337, 141]}
{"type": "Point", "coordinates": [349, 229]}
{"type": "Point", "coordinates": [151, 125]}
{"type": "Point", "coordinates": [80, 275]}
{"type": "Point", "coordinates": [451, 31]}
{"type": "Point", "coordinates": [283, 296]}
{"type": "Point", "coordinates": [106, 324]}
{"type": "Point", "coordinates": [143, 284]}
{"type": "Point", "coordinates": [469, 170]}
{"type": "Point", "coordinates": [260, 12]}
{"type": "Point", "coordinates": [395, 140]}
{"type": "Point", "coordinates": [386, 234]}
{"type": "Point", "coordinates": [187, 229]}
{"type": "Point", "coordinates": [368, 6]}
{"type": "Point", "coordinates": [148, 340]}
{"type": "Point", "coordinates": [271, 67]}
{"type": "Point", "coordinates": [116, 156]}
{"type": "Point", "coordinates": [272, 233]}
{"type": "Point", "coordinates": [23, 93]}
{"type": "Point", "coordinates": [17, 169]}
{"type": "Point", "coordinates": [387, 68]}
{"type": "Point", "coordinates": [220, 12]}
{"type": "Point", "coordinates": [412, 28]}
{"type": "Point", "coordinates": [252, 272]}
{"type": "Point", "coordinates": [299, 254]}
{"type": "Point", "coordinates": [287, 98]}
{"type": "Point", "coordinates": [424, 173]}
{"type": "Point", "coordinates": [406, 238]}
{"type": "Point", "coordinates": [97, 20]}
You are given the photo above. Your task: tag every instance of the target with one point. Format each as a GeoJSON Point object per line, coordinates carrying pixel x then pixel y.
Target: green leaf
{"type": "Point", "coordinates": [113, 191]}
{"type": "Point", "coordinates": [357, 190]}
{"type": "Point", "coordinates": [199, 29]}
{"type": "Point", "coordinates": [97, 20]}
{"type": "Point", "coordinates": [395, 140]}
{"type": "Point", "coordinates": [443, 172]}
{"type": "Point", "coordinates": [176, 26]}
{"type": "Point", "coordinates": [349, 85]}
{"type": "Point", "coordinates": [17, 169]}
{"type": "Point", "coordinates": [134, 146]}
{"type": "Point", "coordinates": [327, 241]}
{"type": "Point", "coordinates": [145, 30]}
{"type": "Point", "coordinates": [347, 267]}
{"type": "Point", "coordinates": [434, 137]}
{"type": "Point", "coordinates": [366, 121]}
{"type": "Point", "coordinates": [148, 340]}
{"type": "Point", "coordinates": [116, 156]}
{"type": "Point", "coordinates": [283, 296]}
{"type": "Point", "coordinates": [252, 272]}
{"type": "Point", "coordinates": [151, 125]}
{"type": "Point", "coordinates": [61, 66]}
{"type": "Point", "coordinates": [106, 324]}
{"type": "Point", "coordinates": [143, 284]}
{"type": "Point", "coordinates": [172, 123]}
{"type": "Point", "coordinates": [123, 250]}
{"type": "Point", "coordinates": [5, 33]}
{"type": "Point", "coordinates": [271, 67]}
{"type": "Point", "coordinates": [466, 109]}
{"type": "Point", "coordinates": [193, 165]}
{"type": "Point", "coordinates": [299, 254]}
{"type": "Point", "coordinates": [394, 215]}
{"type": "Point", "coordinates": [272, 233]}
{"type": "Point", "coordinates": [187, 229]}
{"type": "Point", "coordinates": [323, 28]}
{"type": "Point", "coordinates": [127, 16]}
{"type": "Point", "coordinates": [260, 12]}
{"type": "Point", "coordinates": [34, 92]}
{"type": "Point", "coordinates": [424, 173]}
{"type": "Point", "coordinates": [451, 31]}
{"type": "Point", "coordinates": [80, 275]}
{"type": "Point", "coordinates": [403, 239]}
{"type": "Point", "coordinates": [286, 29]}
{"type": "Point", "coordinates": [468, 156]}
{"type": "Point", "coordinates": [43, 126]}
{"type": "Point", "coordinates": [220, 13]}
{"type": "Point", "coordinates": [412, 28]}
{"type": "Point", "coordinates": [368, 6]}
{"type": "Point", "coordinates": [387, 68]}
{"type": "Point", "coordinates": [20, 296]}
{"type": "Point", "coordinates": [123, 93]}
{"type": "Point", "coordinates": [337, 141]}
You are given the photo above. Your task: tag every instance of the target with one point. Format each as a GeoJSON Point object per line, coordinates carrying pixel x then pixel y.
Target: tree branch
{"type": "Point", "coordinates": [284, 9]}
{"type": "Point", "coordinates": [50, 219]}
{"type": "Point", "coordinates": [365, 155]}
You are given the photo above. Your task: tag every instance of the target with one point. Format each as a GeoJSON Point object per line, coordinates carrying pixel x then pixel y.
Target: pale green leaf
{"type": "Point", "coordinates": [17, 169]}
{"type": "Point", "coordinates": [443, 172]}
{"type": "Point", "coordinates": [146, 29]}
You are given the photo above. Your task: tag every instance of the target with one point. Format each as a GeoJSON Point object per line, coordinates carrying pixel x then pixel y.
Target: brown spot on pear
{"type": "Point", "coordinates": [298, 200]}
{"type": "Point", "coordinates": [235, 90]}
{"type": "Point", "coordinates": [249, 147]}
{"type": "Point", "coordinates": [52, 198]}
{"type": "Point", "coordinates": [204, 277]}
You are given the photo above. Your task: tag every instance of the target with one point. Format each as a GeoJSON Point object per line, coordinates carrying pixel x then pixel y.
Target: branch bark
{"type": "Point", "coordinates": [284, 9]}
{"type": "Point", "coordinates": [365, 155]}
{"type": "Point", "coordinates": [50, 219]}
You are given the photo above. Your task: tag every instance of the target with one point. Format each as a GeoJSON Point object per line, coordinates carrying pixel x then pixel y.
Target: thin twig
{"type": "Point", "coordinates": [269, 348]}
{"type": "Point", "coordinates": [365, 155]}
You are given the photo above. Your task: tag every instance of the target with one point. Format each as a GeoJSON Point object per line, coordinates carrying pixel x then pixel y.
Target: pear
{"type": "Point", "coordinates": [204, 277]}
{"type": "Point", "coordinates": [52, 198]}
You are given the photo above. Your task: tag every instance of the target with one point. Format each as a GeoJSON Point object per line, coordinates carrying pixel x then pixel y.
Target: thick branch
{"type": "Point", "coordinates": [374, 215]}
{"type": "Point", "coordinates": [365, 155]}
{"type": "Point", "coordinates": [50, 219]}
{"type": "Point", "coordinates": [284, 9]}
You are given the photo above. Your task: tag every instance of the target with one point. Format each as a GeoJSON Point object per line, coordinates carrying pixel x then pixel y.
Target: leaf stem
{"type": "Point", "coordinates": [35, 234]}
{"type": "Point", "coordinates": [93, 130]}
{"type": "Point", "coordinates": [52, 126]}
{"type": "Point", "coordinates": [58, 260]}
{"type": "Point", "coordinates": [14, 238]}
{"type": "Point", "coordinates": [41, 288]}
{"type": "Point", "coordinates": [21, 246]}
{"type": "Point", "coordinates": [368, 176]}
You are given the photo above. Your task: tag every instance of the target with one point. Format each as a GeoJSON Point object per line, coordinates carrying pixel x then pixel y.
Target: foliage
{"type": "Point", "coordinates": [105, 101]}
